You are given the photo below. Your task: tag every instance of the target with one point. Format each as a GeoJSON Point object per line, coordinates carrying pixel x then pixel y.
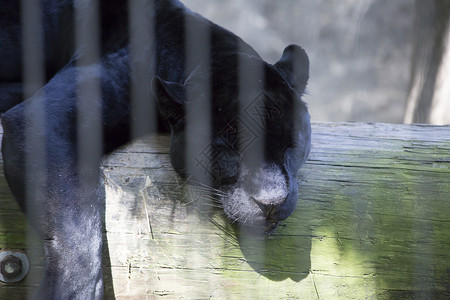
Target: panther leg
{"type": "Point", "coordinates": [42, 166]}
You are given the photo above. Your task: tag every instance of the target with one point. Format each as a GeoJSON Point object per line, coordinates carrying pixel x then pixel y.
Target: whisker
{"type": "Point", "coordinates": [212, 205]}
{"type": "Point", "coordinates": [205, 187]}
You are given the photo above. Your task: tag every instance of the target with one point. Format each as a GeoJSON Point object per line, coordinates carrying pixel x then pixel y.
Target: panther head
{"type": "Point", "coordinates": [241, 127]}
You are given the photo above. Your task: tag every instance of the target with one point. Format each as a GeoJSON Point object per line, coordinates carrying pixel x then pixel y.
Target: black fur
{"type": "Point", "coordinates": [256, 139]}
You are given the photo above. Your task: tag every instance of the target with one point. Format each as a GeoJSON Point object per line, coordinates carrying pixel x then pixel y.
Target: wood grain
{"type": "Point", "coordinates": [372, 222]}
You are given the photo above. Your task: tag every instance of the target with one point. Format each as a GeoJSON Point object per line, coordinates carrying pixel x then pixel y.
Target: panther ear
{"type": "Point", "coordinates": [170, 98]}
{"type": "Point", "coordinates": [294, 66]}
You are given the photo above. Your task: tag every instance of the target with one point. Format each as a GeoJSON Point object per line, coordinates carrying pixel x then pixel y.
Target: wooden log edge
{"type": "Point", "coordinates": [372, 222]}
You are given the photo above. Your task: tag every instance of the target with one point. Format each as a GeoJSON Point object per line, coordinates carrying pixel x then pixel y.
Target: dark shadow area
{"type": "Point", "coordinates": [284, 254]}
{"type": "Point", "coordinates": [106, 260]}
{"type": "Point", "coordinates": [278, 257]}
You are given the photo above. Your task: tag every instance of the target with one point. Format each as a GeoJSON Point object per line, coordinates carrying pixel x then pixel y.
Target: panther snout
{"type": "Point", "coordinates": [269, 208]}
{"type": "Point", "coordinates": [259, 200]}
{"type": "Point", "coordinates": [269, 190]}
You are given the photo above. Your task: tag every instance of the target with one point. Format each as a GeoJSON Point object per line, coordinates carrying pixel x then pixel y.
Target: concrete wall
{"type": "Point", "coordinates": [360, 50]}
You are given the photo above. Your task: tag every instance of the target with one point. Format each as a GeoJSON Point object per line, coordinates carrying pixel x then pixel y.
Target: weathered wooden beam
{"type": "Point", "coordinates": [373, 221]}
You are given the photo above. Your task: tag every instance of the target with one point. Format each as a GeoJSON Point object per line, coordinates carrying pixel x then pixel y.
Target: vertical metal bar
{"type": "Point", "coordinates": [89, 123]}
{"type": "Point", "coordinates": [198, 99]}
{"type": "Point", "coordinates": [251, 133]}
{"type": "Point", "coordinates": [89, 103]}
{"type": "Point", "coordinates": [251, 111]}
{"type": "Point", "coordinates": [33, 47]}
{"type": "Point", "coordinates": [142, 67]}
{"type": "Point", "coordinates": [33, 79]}
{"type": "Point", "coordinates": [198, 114]}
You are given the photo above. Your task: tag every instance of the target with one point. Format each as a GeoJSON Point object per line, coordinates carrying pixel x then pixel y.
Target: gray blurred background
{"type": "Point", "coordinates": [360, 50]}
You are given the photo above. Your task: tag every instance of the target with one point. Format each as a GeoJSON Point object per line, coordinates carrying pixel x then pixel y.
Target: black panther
{"type": "Point", "coordinates": [253, 137]}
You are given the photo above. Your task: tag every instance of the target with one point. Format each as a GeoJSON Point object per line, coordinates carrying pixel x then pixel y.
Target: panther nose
{"type": "Point", "coordinates": [269, 207]}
